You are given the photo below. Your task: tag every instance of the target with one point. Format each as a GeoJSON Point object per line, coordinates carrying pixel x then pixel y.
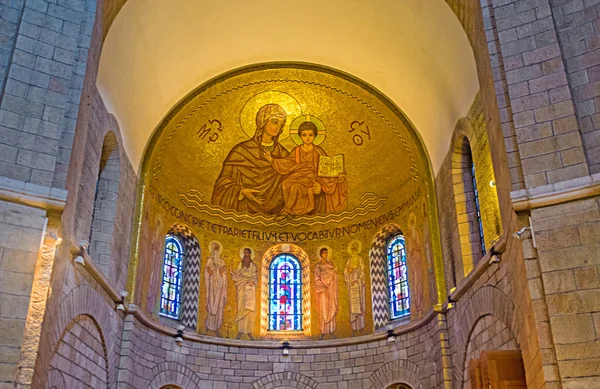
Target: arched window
{"type": "Point", "coordinates": [477, 208]}
{"type": "Point", "coordinates": [170, 295]}
{"type": "Point", "coordinates": [285, 294]}
{"type": "Point", "coordinates": [397, 277]}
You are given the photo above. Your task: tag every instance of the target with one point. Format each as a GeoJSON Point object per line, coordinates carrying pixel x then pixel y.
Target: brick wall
{"type": "Point", "coordinates": [153, 360]}
{"type": "Point", "coordinates": [80, 356]}
{"type": "Point", "coordinates": [490, 333]}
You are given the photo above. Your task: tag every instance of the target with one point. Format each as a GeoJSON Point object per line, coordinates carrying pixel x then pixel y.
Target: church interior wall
{"type": "Point", "coordinates": [541, 298]}
{"type": "Point", "coordinates": [232, 364]}
{"type": "Point", "coordinates": [578, 31]}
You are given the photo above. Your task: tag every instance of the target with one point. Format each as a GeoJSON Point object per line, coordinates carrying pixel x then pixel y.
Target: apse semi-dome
{"type": "Point", "coordinates": [285, 178]}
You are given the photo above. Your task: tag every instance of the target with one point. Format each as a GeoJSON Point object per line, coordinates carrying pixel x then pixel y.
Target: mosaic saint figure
{"type": "Point", "coordinates": [327, 293]}
{"type": "Point", "coordinates": [215, 279]}
{"type": "Point", "coordinates": [354, 275]}
{"type": "Point", "coordinates": [245, 277]}
{"type": "Point", "coordinates": [248, 182]}
{"type": "Point", "coordinates": [417, 270]}
{"type": "Point", "coordinates": [302, 186]}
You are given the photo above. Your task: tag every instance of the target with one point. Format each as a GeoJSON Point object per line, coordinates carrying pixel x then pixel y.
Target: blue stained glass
{"type": "Point", "coordinates": [398, 278]}
{"type": "Point", "coordinates": [285, 294]}
{"type": "Point", "coordinates": [476, 195]}
{"type": "Point", "coordinates": [170, 296]}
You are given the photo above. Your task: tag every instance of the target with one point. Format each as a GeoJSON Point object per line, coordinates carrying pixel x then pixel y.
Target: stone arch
{"type": "Point", "coordinates": [488, 333]}
{"type": "Point", "coordinates": [285, 380]}
{"type": "Point", "coordinates": [378, 268]}
{"type": "Point", "coordinates": [464, 196]}
{"type": "Point", "coordinates": [268, 256]}
{"type": "Point", "coordinates": [81, 352]}
{"type": "Point", "coordinates": [102, 227]}
{"type": "Point", "coordinates": [191, 275]}
{"type": "Point", "coordinates": [81, 301]}
{"type": "Point", "coordinates": [56, 380]}
{"type": "Point", "coordinates": [488, 300]}
{"type": "Point", "coordinates": [172, 373]}
{"type": "Point", "coordinates": [400, 371]}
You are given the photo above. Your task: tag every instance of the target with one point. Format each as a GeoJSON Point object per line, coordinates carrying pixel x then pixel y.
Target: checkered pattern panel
{"type": "Point", "coordinates": [379, 276]}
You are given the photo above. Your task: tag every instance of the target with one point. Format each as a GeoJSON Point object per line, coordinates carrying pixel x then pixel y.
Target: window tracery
{"type": "Point", "coordinates": [285, 293]}
{"type": "Point", "coordinates": [477, 207]}
{"type": "Point", "coordinates": [399, 295]}
{"type": "Point", "coordinates": [170, 298]}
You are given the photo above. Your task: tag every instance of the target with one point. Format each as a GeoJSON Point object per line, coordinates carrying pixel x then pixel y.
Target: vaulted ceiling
{"type": "Point", "coordinates": [413, 51]}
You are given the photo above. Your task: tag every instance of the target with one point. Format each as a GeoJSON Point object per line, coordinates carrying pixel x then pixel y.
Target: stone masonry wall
{"type": "Point", "coordinates": [10, 15]}
{"type": "Point", "coordinates": [80, 356]}
{"type": "Point", "coordinates": [21, 229]}
{"type": "Point", "coordinates": [568, 247]}
{"type": "Point", "coordinates": [152, 360]}
{"type": "Point", "coordinates": [578, 27]}
{"type": "Point", "coordinates": [43, 85]}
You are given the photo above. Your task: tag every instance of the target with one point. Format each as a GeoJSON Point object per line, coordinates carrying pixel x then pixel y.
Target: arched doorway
{"type": "Point", "coordinates": [399, 386]}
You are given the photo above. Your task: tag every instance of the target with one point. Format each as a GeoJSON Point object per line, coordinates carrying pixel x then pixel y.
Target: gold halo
{"type": "Point", "coordinates": [293, 132]}
{"type": "Point", "coordinates": [252, 253]}
{"type": "Point", "coordinates": [248, 114]}
{"type": "Point", "coordinates": [210, 245]}
{"type": "Point", "coordinates": [353, 242]}
{"type": "Point", "coordinates": [329, 250]}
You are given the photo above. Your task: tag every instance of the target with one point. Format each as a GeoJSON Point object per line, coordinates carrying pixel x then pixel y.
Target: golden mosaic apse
{"type": "Point", "coordinates": [285, 154]}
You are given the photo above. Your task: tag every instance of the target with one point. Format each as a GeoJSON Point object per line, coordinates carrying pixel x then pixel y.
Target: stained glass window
{"type": "Point", "coordinates": [398, 277]}
{"type": "Point", "coordinates": [285, 294]}
{"type": "Point", "coordinates": [170, 297]}
{"type": "Point", "coordinates": [476, 195]}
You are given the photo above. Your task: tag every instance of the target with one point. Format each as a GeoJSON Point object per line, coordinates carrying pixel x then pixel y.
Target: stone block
{"type": "Point", "coordinates": [559, 281]}
{"type": "Point", "coordinates": [587, 277]}
{"type": "Point", "coordinates": [42, 19]}
{"type": "Point", "coordinates": [554, 111]}
{"type": "Point", "coordinates": [53, 68]}
{"type": "Point", "coordinates": [584, 301]}
{"type": "Point", "coordinates": [550, 144]}
{"type": "Point", "coordinates": [13, 171]}
{"type": "Point", "coordinates": [12, 331]}
{"type": "Point", "coordinates": [572, 329]}
{"type": "Point", "coordinates": [34, 47]}
{"type": "Point", "coordinates": [573, 156]}
{"type": "Point", "coordinates": [22, 106]}
{"type": "Point", "coordinates": [36, 160]}
{"type": "Point", "coordinates": [567, 173]}
{"type": "Point", "coordinates": [579, 368]}
{"type": "Point", "coordinates": [48, 97]}
{"type": "Point", "coordinates": [541, 163]}
{"type": "Point", "coordinates": [8, 153]}
{"type": "Point", "coordinates": [589, 232]}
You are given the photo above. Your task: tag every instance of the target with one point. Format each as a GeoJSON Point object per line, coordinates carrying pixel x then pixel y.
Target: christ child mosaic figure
{"type": "Point", "coordinates": [303, 190]}
{"type": "Point", "coordinates": [326, 287]}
